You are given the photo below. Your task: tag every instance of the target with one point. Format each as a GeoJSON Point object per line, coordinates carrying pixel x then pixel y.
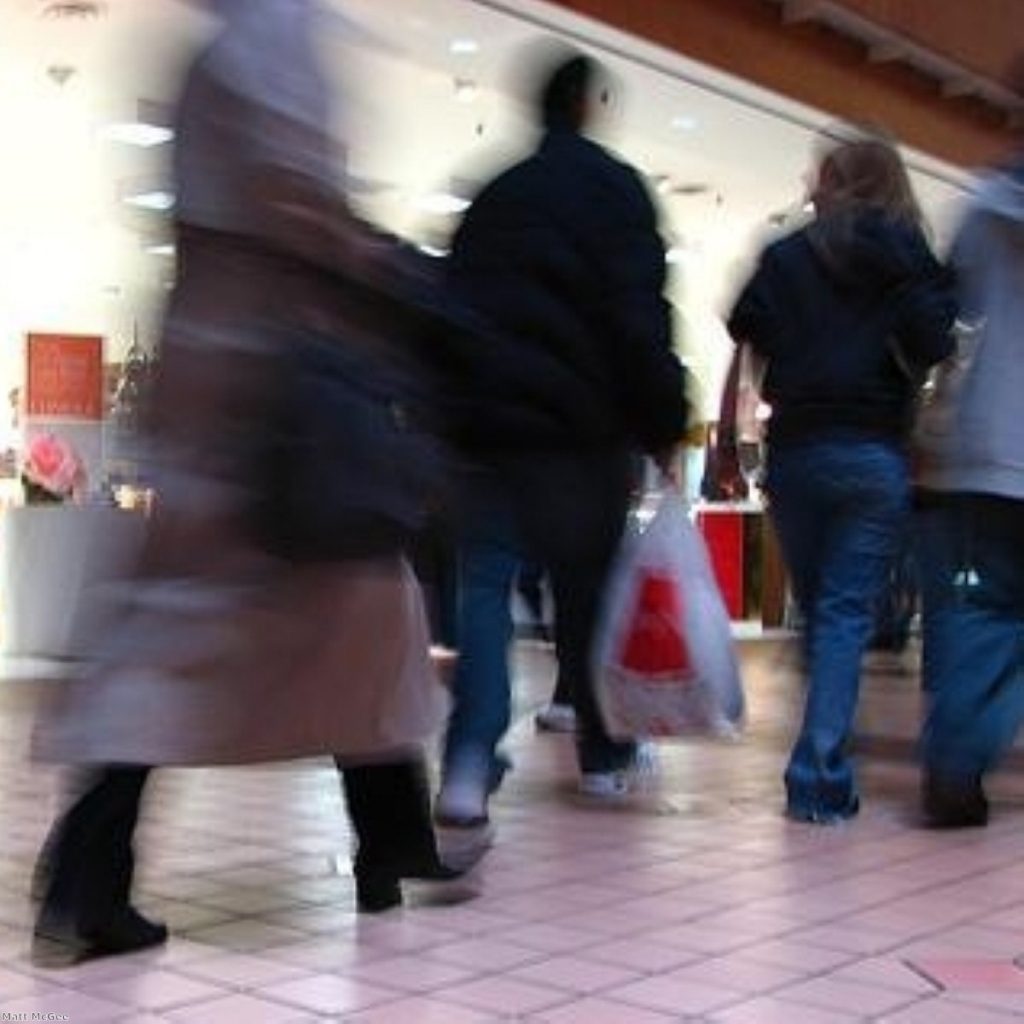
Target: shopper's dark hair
{"type": "Point", "coordinates": [563, 95]}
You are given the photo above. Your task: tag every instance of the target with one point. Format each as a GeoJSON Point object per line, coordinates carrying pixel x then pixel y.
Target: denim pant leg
{"type": "Point", "coordinates": [860, 493]}
{"type": "Point", "coordinates": [578, 591]}
{"type": "Point", "coordinates": [974, 625]}
{"type": "Point", "coordinates": [489, 559]}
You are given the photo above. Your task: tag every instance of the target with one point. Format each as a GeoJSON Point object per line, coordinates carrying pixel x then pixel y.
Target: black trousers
{"type": "Point", "coordinates": [571, 508]}
{"type": "Point", "coordinates": [87, 865]}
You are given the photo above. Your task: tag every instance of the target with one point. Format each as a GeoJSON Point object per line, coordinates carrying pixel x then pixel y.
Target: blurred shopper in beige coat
{"type": "Point", "coordinates": [223, 654]}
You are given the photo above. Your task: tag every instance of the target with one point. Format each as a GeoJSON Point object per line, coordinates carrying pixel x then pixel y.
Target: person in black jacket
{"type": "Point", "coordinates": [560, 263]}
{"type": "Point", "coordinates": [848, 314]}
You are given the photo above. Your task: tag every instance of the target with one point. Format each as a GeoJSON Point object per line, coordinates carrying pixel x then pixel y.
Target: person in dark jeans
{"type": "Point", "coordinates": [971, 521]}
{"type": "Point", "coordinates": [897, 604]}
{"type": "Point", "coordinates": [571, 373]}
{"type": "Point", "coordinates": [839, 311]}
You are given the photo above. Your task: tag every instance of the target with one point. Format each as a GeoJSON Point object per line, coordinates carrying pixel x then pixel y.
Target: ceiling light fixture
{"type": "Point", "coordinates": [137, 133]}
{"type": "Point", "coordinates": [163, 249]}
{"type": "Point", "coordinates": [463, 47]}
{"type": "Point", "coordinates": [155, 199]}
{"type": "Point", "coordinates": [684, 123]}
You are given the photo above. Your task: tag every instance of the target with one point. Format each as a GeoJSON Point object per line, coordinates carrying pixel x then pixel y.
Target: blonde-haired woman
{"type": "Point", "coordinates": [846, 313]}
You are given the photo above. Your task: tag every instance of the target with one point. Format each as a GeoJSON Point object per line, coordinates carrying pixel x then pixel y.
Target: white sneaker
{"type": "Point", "coordinates": [556, 718]}
{"type": "Point", "coordinates": [462, 803]}
{"type": "Point", "coordinates": [639, 776]}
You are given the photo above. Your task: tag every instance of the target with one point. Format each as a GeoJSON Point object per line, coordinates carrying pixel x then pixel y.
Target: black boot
{"type": "Point", "coordinates": [84, 875]}
{"type": "Point", "coordinates": [389, 806]}
{"type": "Point", "coordinates": [951, 803]}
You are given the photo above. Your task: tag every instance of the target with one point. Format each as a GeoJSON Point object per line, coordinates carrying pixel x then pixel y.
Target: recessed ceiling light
{"type": "Point", "coordinates": [137, 133]}
{"type": "Point", "coordinates": [463, 47]}
{"type": "Point", "coordinates": [164, 249]}
{"type": "Point", "coordinates": [153, 200]}
{"type": "Point", "coordinates": [442, 203]}
{"type": "Point", "coordinates": [684, 123]}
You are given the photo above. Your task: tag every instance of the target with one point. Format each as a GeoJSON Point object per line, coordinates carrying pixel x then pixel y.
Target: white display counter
{"type": "Point", "coordinates": [56, 562]}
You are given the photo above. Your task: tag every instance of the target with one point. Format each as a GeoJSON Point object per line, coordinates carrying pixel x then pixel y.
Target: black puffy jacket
{"type": "Point", "coordinates": [848, 317]}
{"type": "Point", "coordinates": [560, 264]}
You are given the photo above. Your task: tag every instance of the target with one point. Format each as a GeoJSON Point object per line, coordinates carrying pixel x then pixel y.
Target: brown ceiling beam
{"type": "Point", "coordinates": [982, 35]}
{"type": "Point", "coordinates": [815, 65]}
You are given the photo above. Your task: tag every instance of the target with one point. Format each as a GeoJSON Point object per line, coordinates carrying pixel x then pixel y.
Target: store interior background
{"type": "Point", "coordinates": [429, 104]}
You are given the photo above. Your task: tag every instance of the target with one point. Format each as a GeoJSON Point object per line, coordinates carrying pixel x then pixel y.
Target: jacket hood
{"type": "Point", "coordinates": [868, 249]}
{"type": "Point", "coordinates": [1002, 194]}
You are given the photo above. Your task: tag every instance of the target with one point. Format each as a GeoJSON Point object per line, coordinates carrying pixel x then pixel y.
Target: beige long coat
{"type": "Point", "coordinates": [218, 653]}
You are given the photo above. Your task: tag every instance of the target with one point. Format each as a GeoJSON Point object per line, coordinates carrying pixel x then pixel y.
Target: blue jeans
{"type": "Point", "coordinates": [567, 514]}
{"type": "Point", "coordinates": [840, 510]}
{"type": "Point", "coordinates": [973, 623]}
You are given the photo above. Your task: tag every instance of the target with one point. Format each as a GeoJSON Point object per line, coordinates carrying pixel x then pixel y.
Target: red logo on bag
{"type": "Point", "coordinates": [655, 645]}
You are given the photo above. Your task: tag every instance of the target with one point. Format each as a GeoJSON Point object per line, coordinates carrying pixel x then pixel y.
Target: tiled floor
{"type": "Point", "coordinates": [698, 903]}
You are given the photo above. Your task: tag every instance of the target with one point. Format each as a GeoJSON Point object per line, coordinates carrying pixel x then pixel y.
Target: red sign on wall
{"type": "Point", "coordinates": [64, 376]}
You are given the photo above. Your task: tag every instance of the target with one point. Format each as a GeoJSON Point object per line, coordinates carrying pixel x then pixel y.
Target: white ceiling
{"type": "Point", "coordinates": [73, 256]}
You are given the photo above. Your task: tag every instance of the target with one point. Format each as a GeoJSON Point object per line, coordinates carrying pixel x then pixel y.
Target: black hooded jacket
{"type": "Point", "coordinates": [849, 316]}
{"type": "Point", "coordinates": [560, 266]}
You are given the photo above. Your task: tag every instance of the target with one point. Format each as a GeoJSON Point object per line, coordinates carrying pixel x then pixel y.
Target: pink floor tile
{"type": "Point", "coordinates": [236, 1008]}
{"type": "Point", "coordinates": [78, 1006]}
{"type": "Point", "coordinates": [155, 990]}
{"type": "Point", "coordinates": [551, 938]}
{"type": "Point", "coordinates": [943, 1010]}
{"type": "Point", "coordinates": [1006, 1002]}
{"type": "Point", "coordinates": [241, 971]}
{"type": "Point", "coordinates": [151, 1018]}
{"type": "Point", "coordinates": [246, 936]}
{"type": "Point", "coordinates": [845, 996]}
{"type": "Point", "coordinates": [769, 1010]}
{"type": "Point", "coordinates": [641, 955]}
{"type": "Point", "coordinates": [886, 973]}
{"type": "Point", "coordinates": [422, 1010]}
{"type": "Point", "coordinates": [328, 993]}
{"type": "Point", "coordinates": [701, 905]}
{"type": "Point", "coordinates": [504, 995]}
{"type": "Point", "coordinates": [14, 984]}
{"type": "Point", "coordinates": [1007, 943]}
{"type": "Point", "coordinates": [985, 975]}
{"type": "Point", "coordinates": [324, 956]}
{"type": "Point", "coordinates": [411, 973]}
{"type": "Point", "coordinates": [407, 933]}
{"type": "Point", "coordinates": [594, 1010]}
{"type": "Point", "coordinates": [484, 955]}
{"type": "Point", "coordinates": [738, 973]}
{"type": "Point", "coordinates": [848, 939]}
{"type": "Point", "coordinates": [574, 974]}
{"type": "Point", "coordinates": [673, 995]}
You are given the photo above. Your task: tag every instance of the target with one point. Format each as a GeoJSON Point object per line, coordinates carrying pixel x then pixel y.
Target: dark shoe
{"type": "Point", "coordinates": [55, 944]}
{"type": "Point", "coordinates": [954, 803]}
{"type": "Point", "coordinates": [379, 889]}
{"type": "Point", "coordinates": [377, 892]}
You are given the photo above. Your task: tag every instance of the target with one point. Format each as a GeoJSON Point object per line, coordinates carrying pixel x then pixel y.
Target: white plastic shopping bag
{"type": "Point", "coordinates": [664, 661]}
